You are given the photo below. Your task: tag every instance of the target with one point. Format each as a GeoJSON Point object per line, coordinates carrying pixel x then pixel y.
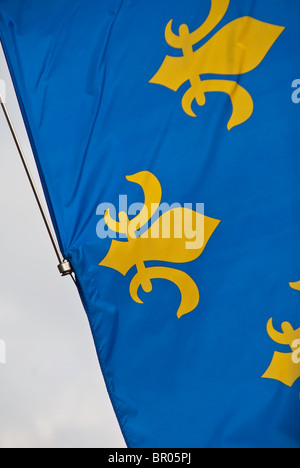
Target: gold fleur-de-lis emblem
{"type": "Point", "coordinates": [238, 48]}
{"type": "Point", "coordinates": [179, 236]}
{"type": "Point", "coordinates": [285, 367]}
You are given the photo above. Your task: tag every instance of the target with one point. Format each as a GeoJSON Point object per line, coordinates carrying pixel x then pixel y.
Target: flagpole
{"type": "Point", "coordinates": [64, 266]}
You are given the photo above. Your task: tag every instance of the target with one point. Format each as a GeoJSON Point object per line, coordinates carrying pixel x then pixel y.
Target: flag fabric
{"type": "Point", "coordinates": [166, 134]}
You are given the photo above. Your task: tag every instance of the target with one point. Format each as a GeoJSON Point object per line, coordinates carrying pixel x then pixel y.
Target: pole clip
{"type": "Point", "coordinates": [65, 268]}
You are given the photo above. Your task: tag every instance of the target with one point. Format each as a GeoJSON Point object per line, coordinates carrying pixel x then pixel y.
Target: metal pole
{"type": "Point", "coordinates": [64, 266]}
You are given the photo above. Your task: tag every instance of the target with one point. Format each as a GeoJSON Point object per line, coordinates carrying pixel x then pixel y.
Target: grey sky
{"type": "Point", "coordinates": [52, 394]}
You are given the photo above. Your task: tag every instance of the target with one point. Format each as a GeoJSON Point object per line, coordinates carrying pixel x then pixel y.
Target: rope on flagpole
{"type": "Point", "coordinates": [64, 267]}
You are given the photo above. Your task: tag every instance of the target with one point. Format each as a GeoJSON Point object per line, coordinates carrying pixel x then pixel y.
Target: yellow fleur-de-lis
{"type": "Point", "coordinates": [239, 47]}
{"type": "Point", "coordinates": [295, 285]}
{"type": "Point", "coordinates": [285, 367]}
{"type": "Point", "coordinates": [165, 241]}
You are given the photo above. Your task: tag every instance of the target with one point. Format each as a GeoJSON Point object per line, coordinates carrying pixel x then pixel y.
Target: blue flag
{"type": "Point", "coordinates": [166, 134]}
